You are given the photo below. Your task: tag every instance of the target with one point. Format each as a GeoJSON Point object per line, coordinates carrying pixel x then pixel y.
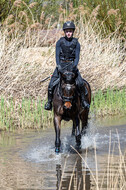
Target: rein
{"type": "Point", "coordinates": [67, 65]}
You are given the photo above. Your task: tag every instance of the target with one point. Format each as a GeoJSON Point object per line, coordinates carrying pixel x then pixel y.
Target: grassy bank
{"type": "Point", "coordinates": [25, 114]}
{"type": "Point", "coordinates": [30, 113]}
{"type": "Point", "coordinates": [27, 55]}
{"type": "Point", "coordinates": [110, 102]}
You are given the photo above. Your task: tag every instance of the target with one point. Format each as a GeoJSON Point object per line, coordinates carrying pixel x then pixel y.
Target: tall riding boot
{"type": "Point", "coordinates": [83, 92]}
{"type": "Point", "coordinates": [48, 105]}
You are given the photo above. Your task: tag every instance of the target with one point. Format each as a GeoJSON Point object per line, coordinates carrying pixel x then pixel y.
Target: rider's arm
{"type": "Point", "coordinates": [77, 54]}
{"type": "Point", "coordinates": [58, 52]}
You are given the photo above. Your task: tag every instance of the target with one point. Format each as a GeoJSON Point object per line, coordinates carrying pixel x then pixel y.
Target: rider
{"type": "Point", "coordinates": [67, 55]}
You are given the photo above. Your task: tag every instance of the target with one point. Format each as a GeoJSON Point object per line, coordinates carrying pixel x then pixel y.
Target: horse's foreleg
{"type": "Point", "coordinates": [84, 119]}
{"type": "Point", "coordinates": [84, 127]}
{"type": "Point", "coordinates": [73, 128]}
{"type": "Point", "coordinates": [78, 134]}
{"type": "Point", "coordinates": [57, 124]}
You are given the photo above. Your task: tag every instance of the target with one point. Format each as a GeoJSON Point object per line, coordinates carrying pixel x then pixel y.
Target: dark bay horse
{"type": "Point", "coordinates": [67, 106]}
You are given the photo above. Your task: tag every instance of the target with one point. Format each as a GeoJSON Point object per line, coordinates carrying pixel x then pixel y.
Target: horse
{"type": "Point", "coordinates": [67, 106]}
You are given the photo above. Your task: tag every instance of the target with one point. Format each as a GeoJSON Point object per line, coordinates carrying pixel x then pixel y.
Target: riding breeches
{"type": "Point", "coordinates": [79, 80]}
{"type": "Point", "coordinates": [54, 79]}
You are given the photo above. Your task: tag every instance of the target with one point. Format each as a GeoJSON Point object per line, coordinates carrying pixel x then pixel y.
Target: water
{"type": "Point", "coordinates": [28, 160]}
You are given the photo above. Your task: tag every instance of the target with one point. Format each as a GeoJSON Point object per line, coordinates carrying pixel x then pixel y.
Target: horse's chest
{"type": "Point", "coordinates": [69, 114]}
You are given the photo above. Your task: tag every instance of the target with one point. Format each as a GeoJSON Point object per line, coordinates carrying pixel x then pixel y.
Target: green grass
{"type": "Point", "coordinates": [30, 113]}
{"type": "Point", "coordinates": [25, 114]}
{"type": "Point", "coordinates": [111, 102]}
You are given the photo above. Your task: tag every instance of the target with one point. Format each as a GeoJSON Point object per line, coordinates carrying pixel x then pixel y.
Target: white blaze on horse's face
{"type": "Point", "coordinates": [67, 90]}
{"type": "Point", "coordinates": [68, 86]}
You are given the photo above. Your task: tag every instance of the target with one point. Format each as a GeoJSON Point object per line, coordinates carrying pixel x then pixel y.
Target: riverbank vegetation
{"type": "Point", "coordinates": [30, 113]}
{"type": "Point", "coordinates": [29, 31]}
{"type": "Point", "coordinates": [111, 102]}
{"type": "Point", "coordinates": [25, 15]}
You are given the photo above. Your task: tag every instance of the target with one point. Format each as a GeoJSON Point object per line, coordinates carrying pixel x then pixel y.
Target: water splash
{"type": "Point", "coordinates": [42, 154]}
{"type": "Point", "coordinates": [89, 141]}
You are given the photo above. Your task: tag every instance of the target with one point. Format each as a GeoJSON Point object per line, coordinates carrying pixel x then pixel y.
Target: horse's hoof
{"type": "Point", "coordinates": [78, 146]}
{"type": "Point", "coordinates": [73, 133]}
{"type": "Point", "coordinates": [83, 132]}
{"type": "Point", "coordinates": [78, 141]}
{"type": "Point", "coordinates": [57, 149]}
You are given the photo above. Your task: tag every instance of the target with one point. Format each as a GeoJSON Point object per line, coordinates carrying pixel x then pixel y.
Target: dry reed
{"type": "Point", "coordinates": [26, 60]}
{"type": "Point", "coordinates": [113, 176]}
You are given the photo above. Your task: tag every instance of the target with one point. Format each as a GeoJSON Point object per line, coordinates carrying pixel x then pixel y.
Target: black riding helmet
{"type": "Point", "coordinates": [68, 25]}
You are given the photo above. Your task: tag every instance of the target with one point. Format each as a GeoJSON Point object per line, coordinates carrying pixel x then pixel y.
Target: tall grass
{"type": "Point", "coordinates": [35, 15]}
{"type": "Point", "coordinates": [110, 13]}
{"type": "Point", "coordinates": [30, 113]}
{"type": "Point", "coordinates": [25, 114]}
{"type": "Point", "coordinates": [111, 102]}
{"type": "Point", "coordinates": [24, 61]}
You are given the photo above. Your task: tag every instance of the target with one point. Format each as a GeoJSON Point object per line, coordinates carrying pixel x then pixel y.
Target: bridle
{"type": "Point", "coordinates": [66, 98]}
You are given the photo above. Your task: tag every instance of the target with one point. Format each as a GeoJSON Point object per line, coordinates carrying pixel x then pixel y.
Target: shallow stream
{"type": "Point", "coordinates": [28, 160]}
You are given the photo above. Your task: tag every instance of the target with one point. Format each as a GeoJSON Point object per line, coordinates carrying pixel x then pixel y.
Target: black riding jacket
{"type": "Point", "coordinates": [67, 50]}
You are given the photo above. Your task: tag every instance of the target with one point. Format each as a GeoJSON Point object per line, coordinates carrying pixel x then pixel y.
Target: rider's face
{"type": "Point", "coordinates": [69, 32]}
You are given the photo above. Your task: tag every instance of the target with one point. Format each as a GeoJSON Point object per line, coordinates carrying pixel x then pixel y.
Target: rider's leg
{"type": "Point", "coordinates": [55, 76]}
{"type": "Point", "coordinates": [84, 102]}
{"type": "Point", "coordinates": [48, 105]}
{"type": "Point", "coordinates": [83, 91]}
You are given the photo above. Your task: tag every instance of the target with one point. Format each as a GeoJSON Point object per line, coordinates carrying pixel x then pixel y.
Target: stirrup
{"type": "Point", "coordinates": [48, 106]}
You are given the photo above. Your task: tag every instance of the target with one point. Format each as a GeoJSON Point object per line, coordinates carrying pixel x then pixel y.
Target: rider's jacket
{"type": "Point", "coordinates": [67, 49]}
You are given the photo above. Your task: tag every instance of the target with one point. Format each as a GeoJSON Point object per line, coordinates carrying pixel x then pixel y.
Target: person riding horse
{"type": "Point", "coordinates": [67, 58]}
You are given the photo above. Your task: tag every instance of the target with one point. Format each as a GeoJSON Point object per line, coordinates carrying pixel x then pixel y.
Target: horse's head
{"type": "Point", "coordinates": [68, 88]}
